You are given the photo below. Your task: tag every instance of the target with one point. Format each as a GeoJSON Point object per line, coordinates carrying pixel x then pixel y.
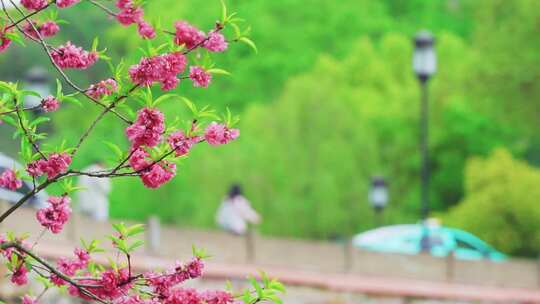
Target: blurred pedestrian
{"type": "Point", "coordinates": [235, 213]}
{"type": "Point", "coordinates": [93, 198]}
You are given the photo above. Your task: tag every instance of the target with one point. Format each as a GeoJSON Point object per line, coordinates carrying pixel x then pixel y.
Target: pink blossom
{"type": "Point", "coordinates": [216, 42]}
{"type": "Point", "coordinates": [138, 159]}
{"type": "Point", "coordinates": [70, 56]}
{"type": "Point", "coordinates": [163, 69]}
{"type": "Point", "coordinates": [124, 4]}
{"type": "Point", "coordinates": [26, 299]}
{"type": "Point", "coordinates": [183, 296]}
{"type": "Point", "coordinates": [20, 276]}
{"type": "Point", "coordinates": [55, 165]}
{"type": "Point", "coordinates": [50, 104]}
{"type": "Point", "coordinates": [187, 35]}
{"type": "Point", "coordinates": [217, 297]}
{"type": "Point", "coordinates": [147, 129]}
{"type": "Point", "coordinates": [102, 88]}
{"type": "Point", "coordinates": [146, 30]}
{"type": "Point", "coordinates": [49, 28]}
{"type": "Point", "coordinates": [83, 257]}
{"type": "Point", "coordinates": [6, 252]}
{"type": "Point", "coordinates": [162, 283]}
{"type": "Point", "coordinates": [4, 41]}
{"type": "Point", "coordinates": [129, 15]}
{"type": "Point", "coordinates": [55, 216]}
{"type": "Point", "coordinates": [34, 4]}
{"type": "Point", "coordinates": [152, 175]}
{"type": "Point", "coordinates": [158, 174]}
{"type": "Point", "coordinates": [66, 3]}
{"type": "Point", "coordinates": [9, 180]}
{"type": "Point", "coordinates": [179, 142]}
{"type": "Point", "coordinates": [199, 76]}
{"type": "Point", "coordinates": [219, 134]}
{"type": "Point", "coordinates": [130, 300]}
{"type": "Point", "coordinates": [195, 268]}
{"type": "Point", "coordinates": [113, 283]}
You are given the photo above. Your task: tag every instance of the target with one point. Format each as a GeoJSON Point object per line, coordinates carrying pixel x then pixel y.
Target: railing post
{"type": "Point", "coordinates": [73, 228]}
{"type": "Point", "coordinates": [250, 244]}
{"type": "Point", "coordinates": [348, 254]}
{"type": "Point", "coordinates": [538, 270]}
{"type": "Point", "coordinates": [450, 266]}
{"type": "Point", "coordinates": [153, 235]}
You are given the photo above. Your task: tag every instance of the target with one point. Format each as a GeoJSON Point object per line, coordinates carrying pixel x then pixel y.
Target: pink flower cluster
{"type": "Point", "coordinates": [163, 283]}
{"type": "Point", "coordinates": [199, 76]}
{"type": "Point", "coordinates": [187, 35]}
{"type": "Point", "coordinates": [47, 29]}
{"type": "Point", "coordinates": [191, 37]}
{"type": "Point", "coordinates": [9, 180]}
{"type": "Point", "coordinates": [181, 143]}
{"type": "Point", "coordinates": [20, 275]}
{"type": "Point", "coordinates": [34, 4]}
{"type": "Point", "coordinates": [191, 296]}
{"type": "Point", "coordinates": [66, 3]}
{"type": "Point", "coordinates": [153, 175]}
{"type": "Point", "coordinates": [69, 267]}
{"type": "Point", "coordinates": [102, 88]}
{"type": "Point", "coordinates": [217, 297]}
{"type": "Point", "coordinates": [147, 129]}
{"type": "Point", "coordinates": [5, 42]}
{"type": "Point", "coordinates": [26, 299]}
{"type": "Point", "coordinates": [50, 104]}
{"type": "Point", "coordinates": [219, 134]}
{"type": "Point", "coordinates": [56, 215]}
{"type": "Point", "coordinates": [163, 69]}
{"type": "Point", "coordinates": [216, 42]}
{"type": "Point", "coordinates": [112, 285]}
{"type": "Point", "coordinates": [56, 164]}
{"type": "Point", "coordinates": [69, 56]}
{"type": "Point", "coordinates": [130, 14]}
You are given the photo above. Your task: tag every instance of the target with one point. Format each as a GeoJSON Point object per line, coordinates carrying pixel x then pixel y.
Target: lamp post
{"type": "Point", "coordinates": [378, 197]}
{"type": "Point", "coordinates": [424, 66]}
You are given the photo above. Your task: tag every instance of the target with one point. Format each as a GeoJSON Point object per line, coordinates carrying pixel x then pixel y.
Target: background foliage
{"type": "Point", "coordinates": [330, 101]}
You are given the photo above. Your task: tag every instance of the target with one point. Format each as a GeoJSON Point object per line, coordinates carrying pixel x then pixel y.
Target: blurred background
{"type": "Point", "coordinates": [330, 109]}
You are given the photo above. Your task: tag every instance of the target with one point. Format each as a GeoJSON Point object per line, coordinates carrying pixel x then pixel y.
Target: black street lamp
{"type": "Point", "coordinates": [424, 66]}
{"type": "Point", "coordinates": [378, 197]}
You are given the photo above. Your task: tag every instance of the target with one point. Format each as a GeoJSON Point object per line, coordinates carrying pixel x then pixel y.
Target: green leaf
{"type": "Point", "coordinates": [71, 99]}
{"type": "Point", "coordinates": [95, 44]}
{"type": "Point", "coordinates": [29, 93]}
{"type": "Point", "coordinates": [218, 71]}
{"type": "Point", "coordinates": [135, 229]}
{"type": "Point", "coordinates": [162, 98]}
{"type": "Point", "coordinates": [58, 88]}
{"type": "Point", "coordinates": [223, 11]}
{"type": "Point", "coordinates": [120, 228]}
{"type": "Point", "coordinates": [117, 151]}
{"type": "Point", "coordinates": [135, 245]}
{"type": "Point", "coordinates": [39, 120]}
{"type": "Point", "coordinates": [15, 37]}
{"type": "Point", "coordinates": [190, 105]}
{"type": "Point", "coordinates": [276, 285]}
{"type": "Point", "coordinates": [250, 43]}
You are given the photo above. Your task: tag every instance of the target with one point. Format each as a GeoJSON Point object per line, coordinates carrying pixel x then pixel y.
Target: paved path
{"type": "Point", "coordinates": [336, 282]}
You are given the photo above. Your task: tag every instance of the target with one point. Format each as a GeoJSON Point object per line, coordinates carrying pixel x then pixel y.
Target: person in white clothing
{"type": "Point", "coordinates": [235, 213]}
{"type": "Point", "coordinates": [93, 198]}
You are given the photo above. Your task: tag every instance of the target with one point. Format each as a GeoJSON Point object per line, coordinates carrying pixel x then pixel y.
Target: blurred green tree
{"type": "Point", "coordinates": [501, 203]}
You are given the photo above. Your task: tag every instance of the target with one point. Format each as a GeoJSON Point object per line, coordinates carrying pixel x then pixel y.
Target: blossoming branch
{"type": "Point", "coordinates": [156, 145]}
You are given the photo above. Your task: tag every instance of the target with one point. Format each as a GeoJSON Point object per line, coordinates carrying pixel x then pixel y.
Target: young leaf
{"type": "Point", "coordinates": [218, 71]}
{"type": "Point", "coordinates": [250, 43]}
